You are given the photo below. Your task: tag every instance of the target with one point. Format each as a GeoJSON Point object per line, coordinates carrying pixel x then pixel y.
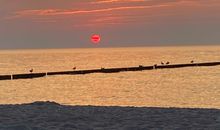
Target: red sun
{"type": "Point", "coordinates": [95, 38]}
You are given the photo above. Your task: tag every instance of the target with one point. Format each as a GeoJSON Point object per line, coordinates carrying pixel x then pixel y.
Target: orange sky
{"type": "Point", "coordinates": [47, 23]}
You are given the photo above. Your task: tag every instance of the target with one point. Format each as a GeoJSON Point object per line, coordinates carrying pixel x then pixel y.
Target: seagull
{"type": "Point", "coordinates": [162, 63]}
{"type": "Point", "coordinates": [74, 68]}
{"type": "Point", "coordinates": [192, 61]}
{"type": "Point", "coordinates": [168, 63]}
{"type": "Point", "coordinates": [31, 70]}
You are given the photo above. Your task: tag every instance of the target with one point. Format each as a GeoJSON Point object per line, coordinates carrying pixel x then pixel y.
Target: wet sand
{"type": "Point", "coordinates": [53, 116]}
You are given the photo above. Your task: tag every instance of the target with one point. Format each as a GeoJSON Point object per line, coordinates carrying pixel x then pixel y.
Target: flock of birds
{"type": "Point", "coordinates": [162, 63]}
{"type": "Point", "coordinates": [167, 63]}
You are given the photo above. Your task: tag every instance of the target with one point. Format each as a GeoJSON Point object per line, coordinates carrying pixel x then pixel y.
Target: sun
{"type": "Point", "coordinates": [95, 38]}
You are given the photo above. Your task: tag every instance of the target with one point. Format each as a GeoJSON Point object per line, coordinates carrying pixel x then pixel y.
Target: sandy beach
{"type": "Point", "coordinates": [53, 116]}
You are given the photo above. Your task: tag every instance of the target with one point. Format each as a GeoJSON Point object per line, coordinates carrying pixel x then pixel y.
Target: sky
{"type": "Point", "coordinates": [71, 23]}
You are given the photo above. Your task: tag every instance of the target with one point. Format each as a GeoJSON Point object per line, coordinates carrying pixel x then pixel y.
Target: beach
{"type": "Point", "coordinates": [53, 116]}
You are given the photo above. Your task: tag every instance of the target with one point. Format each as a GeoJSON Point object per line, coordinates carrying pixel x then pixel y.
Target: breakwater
{"type": "Point", "coordinates": [104, 70]}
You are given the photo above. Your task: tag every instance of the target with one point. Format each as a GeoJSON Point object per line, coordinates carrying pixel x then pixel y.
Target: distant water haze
{"type": "Point", "coordinates": [183, 87]}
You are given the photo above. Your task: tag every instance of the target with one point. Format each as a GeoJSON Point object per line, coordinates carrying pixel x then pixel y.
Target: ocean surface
{"type": "Point", "coordinates": [183, 87]}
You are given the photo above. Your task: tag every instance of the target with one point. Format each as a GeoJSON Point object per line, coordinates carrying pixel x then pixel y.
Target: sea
{"type": "Point", "coordinates": [191, 87]}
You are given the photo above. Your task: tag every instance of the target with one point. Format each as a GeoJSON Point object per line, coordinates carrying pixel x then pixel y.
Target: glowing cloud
{"type": "Point", "coordinates": [111, 1]}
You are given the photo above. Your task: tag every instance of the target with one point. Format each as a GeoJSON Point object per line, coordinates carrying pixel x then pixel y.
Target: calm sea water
{"type": "Point", "coordinates": [182, 87]}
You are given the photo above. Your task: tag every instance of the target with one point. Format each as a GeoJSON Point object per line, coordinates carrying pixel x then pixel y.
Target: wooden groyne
{"type": "Point", "coordinates": [104, 70]}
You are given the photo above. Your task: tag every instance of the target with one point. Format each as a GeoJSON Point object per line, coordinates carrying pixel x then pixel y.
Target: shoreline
{"type": "Point", "coordinates": [51, 115]}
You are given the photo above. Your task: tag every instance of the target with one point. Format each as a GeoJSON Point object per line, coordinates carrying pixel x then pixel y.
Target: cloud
{"type": "Point", "coordinates": [71, 12]}
{"type": "Point", "coordinates": [107, 6]}
{"type": "Point", "coordinates": [112, 1]}
{"type": "Point", "coordinates": [52, 12]}
{"type": "Point", "coordinates": [134, 10]}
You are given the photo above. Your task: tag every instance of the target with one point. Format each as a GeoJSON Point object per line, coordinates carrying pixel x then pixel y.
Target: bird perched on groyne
{"type": "Point", "coordinates": [162, 63]}
{"type": "Point", "coordinates": [74, 68]}
{"type": "Point", "coordinates": [167, 63]}
{"type": "Point", "coordinates": [31, 70]}
{"type": "Point", "coordinates": [191, 61]}
{"type": "Point", "coordinates": [140, 66]}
